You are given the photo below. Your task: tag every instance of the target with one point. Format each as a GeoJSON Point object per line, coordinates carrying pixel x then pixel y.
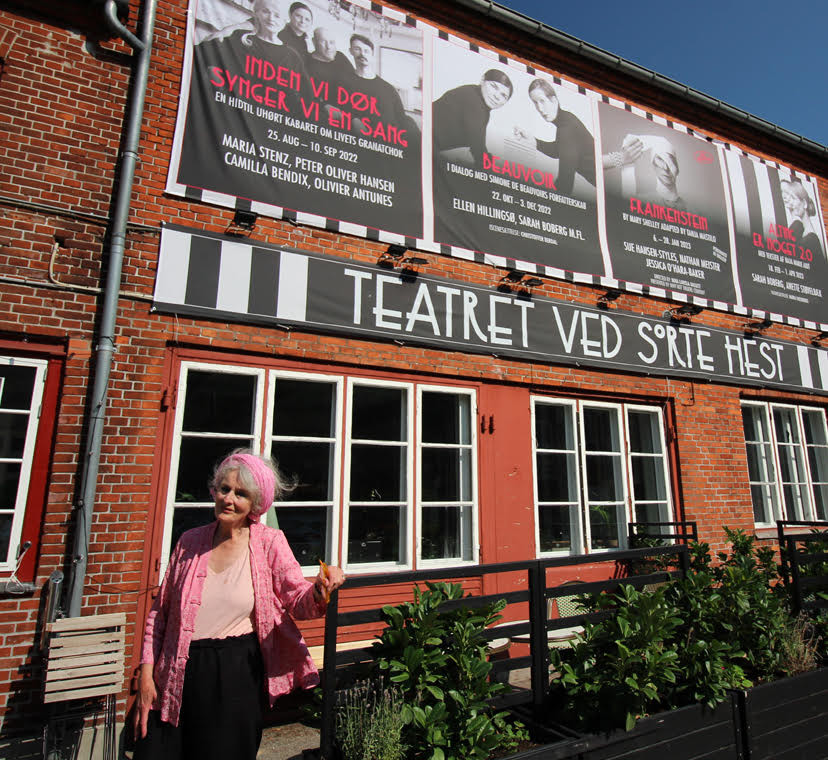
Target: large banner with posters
{"type": "Point", "coordinates": [359, 118]}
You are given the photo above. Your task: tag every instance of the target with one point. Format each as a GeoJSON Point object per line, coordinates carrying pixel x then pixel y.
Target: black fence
{"type": "Point", "coordinates": [804, 562]}
{"type": "Point", "coordinates": [631, 566]}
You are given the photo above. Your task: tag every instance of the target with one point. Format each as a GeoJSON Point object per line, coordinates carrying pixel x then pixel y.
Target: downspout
{"type": "Point", "coordinates": [84, 509]}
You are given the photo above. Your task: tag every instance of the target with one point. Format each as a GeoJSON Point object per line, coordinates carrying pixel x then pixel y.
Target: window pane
{"type": "Point", "coordinates": [185, 518]}
{"type": "Point", "coordinates": [814, 424]}
{"type": "Point", "coordinates": [306, 529]}
{"type": "Point", "coordinates": [651, 512]}
{"type": "Point", "coordinates": [377, 473]}
{"type": "Point", "coordinates": [13, 435]}
{"type": "Point", "coordinates": [5, 536]}
{"type": "Point", "coordinates": [601, 429]}
{"type": "Point", "coordinates": [219, 402]}
{"type": "Point", "coordinates": [784, 423]}
{"type": "Point", "coordinates": [310, 465]}
{"type": "Point", "coordinates": [753, 419]}
{"type": "Point", "coordinates": [374, 534]}
{"type": "Point", "coordinates": [441, 532]}
{"type": "Point", "coordinates": [603, 478]}
{"type": "Point", "coordinates": [795, 500]}
{"type": "Point", "coordinates": [790, 464]}
{"type": "Point", "coordinates": [16, 386]}
{"type": "Point", "coordinates": [645, 434]}
{"type": "Point", "coordinates": [445, 418]}
{"type": "Point", "coordinates": [556, 477]}
{"type": "Point", "coordinates": [603, 526]}
{"type": "Point", "coordinates": [446, 475]}
{"type": "Point", "coordinates": [818, 461]}
{"type": "Point", "coordinates": [763, 500]}
{"type": "Point", "coordinates": [379, 413]}
{"type": "Point", "coordinates": [304, 408]}
{"type": "Point", "coordinates": [648, 479]}
{"type": "Point", "coordinates": [821, 501]}
{"type": "Point", "coordinates": [555, 528]}
{"type": "Point", "coordinates": [760, 464]}
{"type": "Point", "coordinates": [197, 459]}
{"type": "Point", "coordinates": [9, 480]}
{"type": "Point", "coordinates": [553, 427]}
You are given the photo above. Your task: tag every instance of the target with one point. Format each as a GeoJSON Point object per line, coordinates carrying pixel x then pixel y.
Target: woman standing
{"type": "Point", "coordinates": [220, 634]}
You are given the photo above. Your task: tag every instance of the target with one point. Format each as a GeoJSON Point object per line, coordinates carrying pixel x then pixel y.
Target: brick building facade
{"type": "Point", "coordinates": [185, 387]}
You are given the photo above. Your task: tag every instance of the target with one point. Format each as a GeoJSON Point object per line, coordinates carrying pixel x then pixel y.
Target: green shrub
{"type": "Point", "coordinates": [438, 661]}
{"type": "Point", "coordinates": [724, 626]}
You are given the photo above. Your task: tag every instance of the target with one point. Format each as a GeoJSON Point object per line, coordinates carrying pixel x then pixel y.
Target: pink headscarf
{"type": "Point", "coordinates": [262, 475]}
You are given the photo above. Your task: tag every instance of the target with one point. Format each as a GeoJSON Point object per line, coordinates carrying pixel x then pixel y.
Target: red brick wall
{"type": "Point", "coordinates": [62, 111]}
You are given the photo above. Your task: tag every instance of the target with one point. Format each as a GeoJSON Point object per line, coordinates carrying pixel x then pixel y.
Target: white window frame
{"type": "Point", "coordinates": [665, 461]}
{"type": "Point", "coordinates": [581, 537]}
{"type": "Point", "coordinates": [254, 440]}
{"type": "Point", "coordinates": [472, 504]}
{"type": "Point", "coordinates": [778, 507]}
{"type": "Point", "coordinates": [332, 543]}
{"type": "Point", "coordinates": [19, 511]}
{"type": "Point", "coordinates": [407, 524]}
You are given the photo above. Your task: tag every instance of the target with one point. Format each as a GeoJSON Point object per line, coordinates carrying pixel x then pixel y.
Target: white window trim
{"type": "Point", "coordinates": [582, 540]}
{"type": "Point", "coordinates": [332, 544]}
{"type": "Point", "coordinates": [408, 523]}
{"type": "Point", "coordinates": [40, 366]}
{"type": "Point", "coordinates": [779, 507]}
{"type": "Point", "coordinates": [181, 398]}
{"type": "Point", "coordinates": [474, 505]}
{"type": "Point", "coordinates": [577, 547]}
{"type": "Point", "coordinates": [659, 412]}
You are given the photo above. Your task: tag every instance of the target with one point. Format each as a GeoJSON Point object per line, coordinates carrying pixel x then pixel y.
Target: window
{"type": "Point", "coordinates": [21, 392]}
{"type": "Point", "coordinates": [787, 453]}
{"type": "Point", "coordinates": [597, 467]}
{"type": "Point", "coordinates": [384, 472]}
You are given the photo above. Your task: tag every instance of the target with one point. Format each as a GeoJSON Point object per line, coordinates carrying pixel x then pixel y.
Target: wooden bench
{"type": "Point", "coordinates": [85, 657]}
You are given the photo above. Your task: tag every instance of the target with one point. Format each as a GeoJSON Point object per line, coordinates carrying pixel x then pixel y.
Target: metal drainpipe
{"type": "Point", "coordinates": [106, 337]}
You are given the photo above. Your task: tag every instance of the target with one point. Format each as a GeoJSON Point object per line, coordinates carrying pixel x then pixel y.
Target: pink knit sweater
{"type": "Point", "coordinates": [279, 590]}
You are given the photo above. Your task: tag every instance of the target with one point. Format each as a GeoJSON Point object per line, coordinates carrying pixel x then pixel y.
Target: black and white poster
{"type": "Point", "coordinates": [665, 207]}
{"type": "Point", "coordinates": [780, 236]}
{"type": "Point", "coordinates": [355, 117]}
{"type": "Point", "coordinates": [513, 162]}
{"type": "Point", "coordinates": [309, 106]}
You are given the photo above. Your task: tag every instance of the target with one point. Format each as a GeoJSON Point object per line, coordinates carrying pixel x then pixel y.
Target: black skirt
{"type": "Point", "coordinates": [221, 705]}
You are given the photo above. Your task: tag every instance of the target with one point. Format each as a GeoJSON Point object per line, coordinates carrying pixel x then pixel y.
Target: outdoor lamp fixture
{"type": "Point", "coordinates": [392, 256]}
{"type": "Point", "coordinates": [756, 328]}
{"type": "Point", "coordinates": [243, 222]}
{"type": "Point", "coordinates": [682, 314]}
{"type": "Point", "coordinates": [816, 341]}
{"type": "Point", "coordinates": [517, 281]}
{"type": "Point", "coordinates": [410, 266]}
{"type": "Point", "coordinates": [605, 299]}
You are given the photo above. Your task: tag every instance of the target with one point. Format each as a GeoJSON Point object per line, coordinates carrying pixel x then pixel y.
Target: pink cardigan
{"type": "Point", "coordinates": [279, 591]}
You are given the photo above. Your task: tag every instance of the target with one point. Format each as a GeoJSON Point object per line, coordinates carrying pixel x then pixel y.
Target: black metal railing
{"type": "Point", "coordinates": [538, 626]}
{"type": "Point", "coordinates": [803, 558]}
{"type": "Point", "coordinates": [682, 531]}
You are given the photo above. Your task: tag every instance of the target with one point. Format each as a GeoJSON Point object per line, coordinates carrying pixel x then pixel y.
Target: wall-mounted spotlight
{"type": "Point", "coordinates": [683, 313]}
{"type": "Point", "coordinates": [242, 224]}
{"type": "Point", "coordinates": [816, 341]}
{"type": "Point", "coordinates": [411, 264]}
{"type": "Point", "coordinates": [605, 299]}
{"type": "Point", "coordinates": [757, 328]}
{"type": "Point", "coordinates": [515, 281]}
{"type": "Point", "coordinates": [392, 256]}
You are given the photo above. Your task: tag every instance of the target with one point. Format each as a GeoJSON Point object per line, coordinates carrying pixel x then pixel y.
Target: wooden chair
{"type": "Point", "coordinates": [85, 657]}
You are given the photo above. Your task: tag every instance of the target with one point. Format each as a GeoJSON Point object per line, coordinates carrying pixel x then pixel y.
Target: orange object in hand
{"type": "Point", "coordinates": [325, 572]}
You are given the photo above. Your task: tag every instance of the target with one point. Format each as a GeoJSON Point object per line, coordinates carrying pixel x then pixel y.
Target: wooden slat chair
{"type": "Point", "coordinates": [85, 657]}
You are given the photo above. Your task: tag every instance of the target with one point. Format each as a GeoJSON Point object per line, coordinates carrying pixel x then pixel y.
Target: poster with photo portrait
{"type": "Point", "coordinates": [780, 239]}
{"type": "Point", "coordinates": [310, 106]}
{"type": "Point", "coordinates": [665, 207]}
{"type": "Point", "coordinates": [513, 163]}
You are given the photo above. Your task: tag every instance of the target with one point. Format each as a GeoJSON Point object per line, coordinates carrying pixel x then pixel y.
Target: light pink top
{"type": "Point", "coordinates": [226, 602]}
{"type": "Point", "coordinates": [280, 592]}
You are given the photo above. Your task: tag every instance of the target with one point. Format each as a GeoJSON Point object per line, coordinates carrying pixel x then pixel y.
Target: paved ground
{"type": "Point", "coordinates": [289, 742]}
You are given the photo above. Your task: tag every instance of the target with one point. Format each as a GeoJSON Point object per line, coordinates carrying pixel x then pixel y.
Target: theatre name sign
{"type": "Point", "coordinates": [221, 277]}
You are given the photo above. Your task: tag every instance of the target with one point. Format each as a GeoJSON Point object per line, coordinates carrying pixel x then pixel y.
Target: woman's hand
{"type": "Point", "coordinates": [330, 578]}
{"type": "Point", "coordinates": [143, 701]}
